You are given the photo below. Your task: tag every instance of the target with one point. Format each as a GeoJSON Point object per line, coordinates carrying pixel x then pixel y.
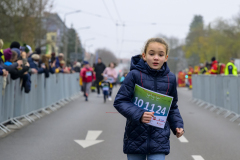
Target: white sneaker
{"type": "Point", "coordinates": [110, 98]}
{"type": "Point", "coordinates": [98, 95]}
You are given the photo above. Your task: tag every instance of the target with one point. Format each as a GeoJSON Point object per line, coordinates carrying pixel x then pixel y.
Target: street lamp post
{"type": "Point", "coordinates": [84, 44]}
{"type": "Point", "coordinates": [88, 27]}
{"type": "Point", "coordinates": [91, 55]}
{"type": "Point", "coordinates": [65, 36]}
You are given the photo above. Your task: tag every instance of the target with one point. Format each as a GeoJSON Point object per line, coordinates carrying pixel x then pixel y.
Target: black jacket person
{"type": "Point", "coordinates": [99, 68]}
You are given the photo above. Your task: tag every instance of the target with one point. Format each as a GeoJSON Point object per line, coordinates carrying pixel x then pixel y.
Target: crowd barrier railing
{"type": "Point", "coordinates": [218, 92]}
{"type": "Point", "coordinates": [45, 93]}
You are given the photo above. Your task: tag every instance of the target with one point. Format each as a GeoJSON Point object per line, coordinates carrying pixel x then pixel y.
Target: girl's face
{"type": "Point", "coordinates": [155, 55]}
{"type": "Point", "coordinates": [111, 65]}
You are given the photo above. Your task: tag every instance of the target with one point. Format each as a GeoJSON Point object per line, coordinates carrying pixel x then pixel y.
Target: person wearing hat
{"type": "Point", "coordinates": [231, 69]}
{"type": "Point", "coordinates": [11, 57]}
{"type": "Point", "coordinates": [88, 76]}
{"type": "Point", "coordinates": [34, 65]}
{"type": "Point", "coordinates": [16, 47]}
{"type": "Point", "coordinates": [58, 59]}
{"type": "Point", "coordinates": [14, 62]}
{"type": "Point", "coordinates": [77, 67]}
{"type": "Point", "coordinates": [214, 66]}
{"type": "Point", "coordinates": [37, 51]}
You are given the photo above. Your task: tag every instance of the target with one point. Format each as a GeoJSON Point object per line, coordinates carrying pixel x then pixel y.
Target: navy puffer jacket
{"type": "Point", "coordinates": [140, 138]}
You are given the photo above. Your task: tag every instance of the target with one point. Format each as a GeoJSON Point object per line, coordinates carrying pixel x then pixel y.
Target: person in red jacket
{"type": "Point", "coordinates": [214, 66]}
{"type": "Point", "coordinates": [88, 76]}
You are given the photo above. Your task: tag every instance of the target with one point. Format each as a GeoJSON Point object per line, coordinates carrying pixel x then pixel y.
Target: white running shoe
{"type": "Point", "coordinates": [110, 98]}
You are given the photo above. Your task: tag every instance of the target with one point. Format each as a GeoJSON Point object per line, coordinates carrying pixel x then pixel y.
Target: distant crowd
{"type": "Point", "coordinates": [213, 68]}
{"type": "Point", "coordinates": [21, 62]}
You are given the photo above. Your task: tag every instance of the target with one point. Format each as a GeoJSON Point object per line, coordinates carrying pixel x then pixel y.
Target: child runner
{"type": "Point", "coordinates": [87, 78]}
{"type": "Point", "coordinates": [151, 71]}
{"type": "Point", "coordinates": [106, 85]}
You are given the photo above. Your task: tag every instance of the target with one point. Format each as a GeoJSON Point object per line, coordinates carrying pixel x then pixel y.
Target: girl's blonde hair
{"type": "Point", "coordinates": [159, 40]}
{"type": "Point", "coordinates": [1, 43]}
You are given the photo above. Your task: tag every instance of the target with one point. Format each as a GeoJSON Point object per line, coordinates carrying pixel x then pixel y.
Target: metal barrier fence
{"type": "Point", "coordinates": [45, 93]}
{"type": "Point", "coordinates": [218, 91]}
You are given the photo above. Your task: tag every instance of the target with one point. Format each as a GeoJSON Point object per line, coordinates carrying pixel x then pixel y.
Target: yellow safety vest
{"type": "Point", "coordinates": [234, 70]}
{"type": "Point", "coordinates": [3, 58]}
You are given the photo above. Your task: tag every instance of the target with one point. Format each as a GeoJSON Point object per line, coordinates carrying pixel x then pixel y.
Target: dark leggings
{"type": "Point", "coordinates": [98, 87]}
{"type": "Point", "coordinates": [110, 92]}
{"type": "Point", "coordinates": [110, 89]}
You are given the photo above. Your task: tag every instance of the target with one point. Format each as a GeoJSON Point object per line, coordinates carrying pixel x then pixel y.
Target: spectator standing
{"type": "Point", "coordinates": [123, 77]}
{"type": "Point", "coordinates": [203, 69]}
{"type": "Point", "coordinates": [34, 65]}
{"type": "Point", "coordinates": [214, 66]}
{"type": "Point", "coordinates": [99, 68]}
{"type": "Point", "coordinates": [15, 46]}
{"type": "Point", "coordinates": [37, 51]}
{"type": "Point", "coordinates": [46, 64]}
{"type": "Point", "coordinates": [77, 67]}
{"type": "Point", "coordinates": [2, 58]}
{"type": "Point", "coordinates": [231, 69]}
{"type": "Point", "coordinates": [59, 59]}
{"type": "Point", "coordinates": [10, 58]}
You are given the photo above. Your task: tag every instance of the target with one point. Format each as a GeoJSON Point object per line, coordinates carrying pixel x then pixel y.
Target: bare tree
{"type": "Point", "coordinates": [176, 60]}
{"type": "Point", "coordinates": [106, 55]}
{"type": "Point", "coordinates": [21, 20]}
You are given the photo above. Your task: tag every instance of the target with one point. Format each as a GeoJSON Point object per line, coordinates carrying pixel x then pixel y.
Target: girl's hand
{"type": "Point", "coordinates": [147, 116]}
{"type": "Point", "coordinates": [180, 132]}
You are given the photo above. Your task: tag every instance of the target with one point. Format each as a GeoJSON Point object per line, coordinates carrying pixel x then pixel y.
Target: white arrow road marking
{"type": "Point", "coordinates": [197, 157]}
{"type": "Point", "coordinates": [183, 139]}
{"type": "Point", "coordinates": [93, 135]}
{"type": "Point", "coordinates": [90, 139]}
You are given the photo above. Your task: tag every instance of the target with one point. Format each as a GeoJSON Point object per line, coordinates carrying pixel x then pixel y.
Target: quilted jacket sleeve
{"type": "Point", "coordinates": [123, 101]}
{"type": "Point", "coordinates": [174, 118]}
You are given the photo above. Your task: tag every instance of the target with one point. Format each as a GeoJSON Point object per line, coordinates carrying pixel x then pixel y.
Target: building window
{"type": "Point", "coordinates": [53, 49]}
{"type": "Point", "coordinates": [53, 38]}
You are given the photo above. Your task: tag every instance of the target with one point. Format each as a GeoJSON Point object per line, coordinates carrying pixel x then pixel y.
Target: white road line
{"type": "Point", "coordinates": [183, 139]}
{"type": "Point", "coordinates": [197, 157]}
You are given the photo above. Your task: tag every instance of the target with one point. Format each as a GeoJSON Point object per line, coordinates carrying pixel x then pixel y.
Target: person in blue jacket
{"type": "Point", "coordinates": [34, 65]}
{"type": "Point", "coordinates": [149, 70]}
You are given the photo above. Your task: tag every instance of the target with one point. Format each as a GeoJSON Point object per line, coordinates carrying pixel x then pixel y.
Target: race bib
{"type": "Point", "coordinates": [110, 79]}
{"type": "Point", "coordinates": [155, 102]}
{"type": "Point", "coordinates": [89, 73]}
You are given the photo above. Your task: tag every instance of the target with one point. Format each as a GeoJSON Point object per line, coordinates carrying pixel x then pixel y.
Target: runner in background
{"type": "Point", "coordinates": [87, 77]}
{"type": "Point", "coordinates": [111, 74]}
{"type": "Point", "coordinates": [99, 68]}
{"type": "Point", "coordinates": [105, 85]}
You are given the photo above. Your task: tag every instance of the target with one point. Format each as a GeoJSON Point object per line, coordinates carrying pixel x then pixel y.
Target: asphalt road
{"type": "Point", "coordinates": [209, 136]}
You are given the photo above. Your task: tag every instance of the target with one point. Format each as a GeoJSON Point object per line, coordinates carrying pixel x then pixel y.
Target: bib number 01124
{"type": "Point", "coordinates": [148, 107]}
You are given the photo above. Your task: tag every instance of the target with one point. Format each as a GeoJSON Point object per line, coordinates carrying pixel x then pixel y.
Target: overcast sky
{"type": "Point", "coordinates": [143, 19]}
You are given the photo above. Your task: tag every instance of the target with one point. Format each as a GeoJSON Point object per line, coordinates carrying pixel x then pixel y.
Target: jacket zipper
{"type": "Point", "coordinates": [150, 128]}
